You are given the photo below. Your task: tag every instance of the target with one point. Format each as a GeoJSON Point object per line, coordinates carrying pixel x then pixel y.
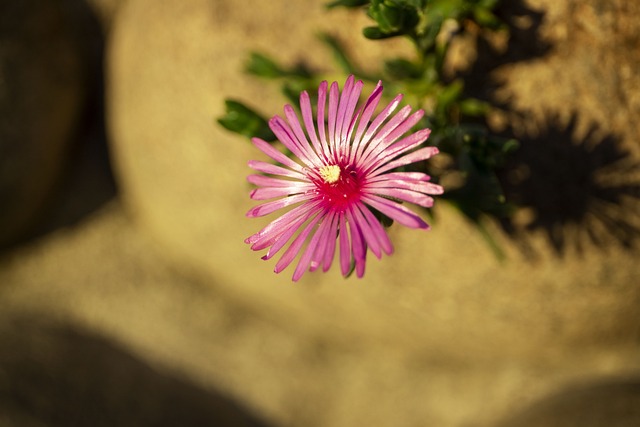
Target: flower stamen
{"type": "Point", "coordinates": [330, 174]}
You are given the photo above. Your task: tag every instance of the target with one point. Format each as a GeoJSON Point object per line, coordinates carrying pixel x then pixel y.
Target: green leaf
{"type": "Point", "coordinates": [400, 69]}
{"type": "Point", "coordinates": [340, 55]}
{"type": "Point", "coordinates": [243, 120]}
{"type": "Point", "coordinates": [473, 107]}
{"type": "Point", "coordinates": [449, 95]}
{"type": "Point", "coordinates": [374, 33]}
{"type": "Point", "coordinates": [486, 18]}
{"type": "Point", "coordinates": [262, 66]}
{"type": "Point", "coordinates": [347, 3]}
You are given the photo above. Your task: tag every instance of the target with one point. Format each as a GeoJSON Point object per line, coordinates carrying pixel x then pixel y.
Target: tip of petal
{"type": "Point", "coordinates": [253, 212]}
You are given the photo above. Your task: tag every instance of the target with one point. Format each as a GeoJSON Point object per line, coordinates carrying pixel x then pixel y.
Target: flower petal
{"type": "Point", "coordinates": [358, 245]}
{"type": "Point", "coordinates": [322, 101]}
{"type": "Point", "coordinates": [294, 248]}
{"type": "Point", "coordinates": [413, 157]}
{"type": "Point", "coordinates": [268, 234]}
{"type": "Point", "coordinates": [285, 134]}
{"type": "Point", "coordinates": [356, 218]}
{"type": "Point", "coordinates": [272, 169]}
{"type": "Point", "coordinates": [276, 155]}
{"type": "Point", "coordinates": [307, 117]}
{"type": "Point", "coordinates": [377, 229]}
{"type": "Point", "coordinates": [395, 211]}
{"type": "Point", "coordinates": [316, 244]}
{"type": "Point", "coordinates": [410, 196]}
{"type": "Point", "coordinates": [345, 246]}
{"type": "Point", "coordinates": [270, 207]}
{"type": "Point", "coordinates": [267, 193]}
{"type": "Point", "coordinates": [367, 112]}
{"type": "Point", "coordinates": [384, 114]}
{"type": "Point", "coordinates": [269, 181]}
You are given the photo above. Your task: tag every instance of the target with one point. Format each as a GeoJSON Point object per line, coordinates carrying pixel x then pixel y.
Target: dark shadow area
{"type": "Point", "coordinates": [58, 375]}
{"type": "Point", "coordinates": [524, 44]}
{"type": "Point", "coordinates": [83, 180]}
{"type": "Point", "coordinates": [576, 189]}
{"type": "Point", "coordinates": [578, 192]}
{"type": "Point", "coordinates": [87, 182]}
{"type": "Point", "coordinates": [612, 403]}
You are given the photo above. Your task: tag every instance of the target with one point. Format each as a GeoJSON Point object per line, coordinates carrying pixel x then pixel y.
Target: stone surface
{"type": "Point", "coordinates": [49, 55]}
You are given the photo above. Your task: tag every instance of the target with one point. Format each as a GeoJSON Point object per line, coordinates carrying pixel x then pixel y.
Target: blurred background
{"type": "Point", "coordinates": [127, 295]}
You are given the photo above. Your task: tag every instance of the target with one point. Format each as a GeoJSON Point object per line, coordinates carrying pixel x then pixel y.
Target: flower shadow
{"type": "Point", "coordinates": [577, 190]}
{"type": "Point", "coordinates": [572, 179]}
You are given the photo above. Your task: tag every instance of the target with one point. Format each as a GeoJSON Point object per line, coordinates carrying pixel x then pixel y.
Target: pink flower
{"type": "Point", "coordinates": [346, 169]}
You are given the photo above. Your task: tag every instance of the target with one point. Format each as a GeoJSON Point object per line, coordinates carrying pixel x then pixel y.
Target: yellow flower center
{"type": "Point", "coordinates": [330, 173]}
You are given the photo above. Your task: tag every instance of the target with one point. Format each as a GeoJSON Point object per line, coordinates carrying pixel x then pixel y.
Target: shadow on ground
{"type": "Point", "coordinates": [612, 403]}
{"type": "Point", "coordinates": [578, 188]}
{"type": "Point", "coordinates": [578, 192]}
{"type": "Point", "coordinates": [57, 375]}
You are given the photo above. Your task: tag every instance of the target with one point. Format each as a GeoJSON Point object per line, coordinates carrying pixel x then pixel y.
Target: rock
{"type": "Point", "coordinates": [441, 304]}
{"type": "Point", "coordinates": [56, 373]}
{"type": "Point", "coordinates": [49, 55]}
{"type": "Point", "coordinates": [106, 10]}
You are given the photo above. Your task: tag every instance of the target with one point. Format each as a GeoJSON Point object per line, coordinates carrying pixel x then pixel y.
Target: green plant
{"type": "Point", "coordinates": [473, 155]}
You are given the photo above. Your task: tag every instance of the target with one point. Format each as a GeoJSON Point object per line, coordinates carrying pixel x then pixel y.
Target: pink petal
{"type": "Point", "coordinates": [334, 94]}
{"type": "Point", "coordinates": [413, 157]}
{"type": "Point", "coordinates": [355, 217]}
{"type": "Point", "coordinates": [379, 138]}
{"type": "Point", "coordinates": [322, 100]}
{"type": "Point", "coordinates": [345, 247]}
{"type": "Point", "coordinates": [272, 192]}
{"type": "Point", "coordinates": [311, 250]}
{"type": "Point", "coordinates": [342, 107]}
{"type": "Point", "coordinates": [269, 181]}
{"type": "Point", "coordinates": [294, 248]}
{"type": "Point", "coordinates": [350, 118]}
{"type": "Point", "coordinates": [390, 133]}
{"type": "Point", "coordinates": [358, 246]}
{"type": "Point", "coordinates": [276, 155]}
{"type": "Point", "coordinates": [405, 144]}
{"type": "Point", "coordinates": [300, 136]}
{"type": "Point", "coordinates": [285, 135]}
{"type": "Point", "coordinates": [395, 211]}
{"type": "Point", "coordinates": [272, 169]}
{"type": "Point", "coordinates": [406, 195]}
{"type": "Point", "coordinates": [368, 109]}
{"type": "Point", "coordinates": [420, 186]}
{"type": "Point", "coordinates": [386, 112]}
{"type": "Point", "coordinates": [281, 240]}
{"type": "Point", "coordinates": [400, 176]}
{"type": "Point", "coordinates": [279, 225]}
{"type": "Point", "coordinates": [307, 117]}
{"type": "Point", "coordinates": [377, 229]}
{"type": "Point", "coordinates": [270, 207]}
{"type": "Point", "coordinates": [328, 253]}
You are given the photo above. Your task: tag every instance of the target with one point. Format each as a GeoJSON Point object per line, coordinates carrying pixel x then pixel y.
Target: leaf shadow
{"type": "Point", "coordinates": [578, 187]}
{"type": "Point", "coordinates": [577, 190]}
